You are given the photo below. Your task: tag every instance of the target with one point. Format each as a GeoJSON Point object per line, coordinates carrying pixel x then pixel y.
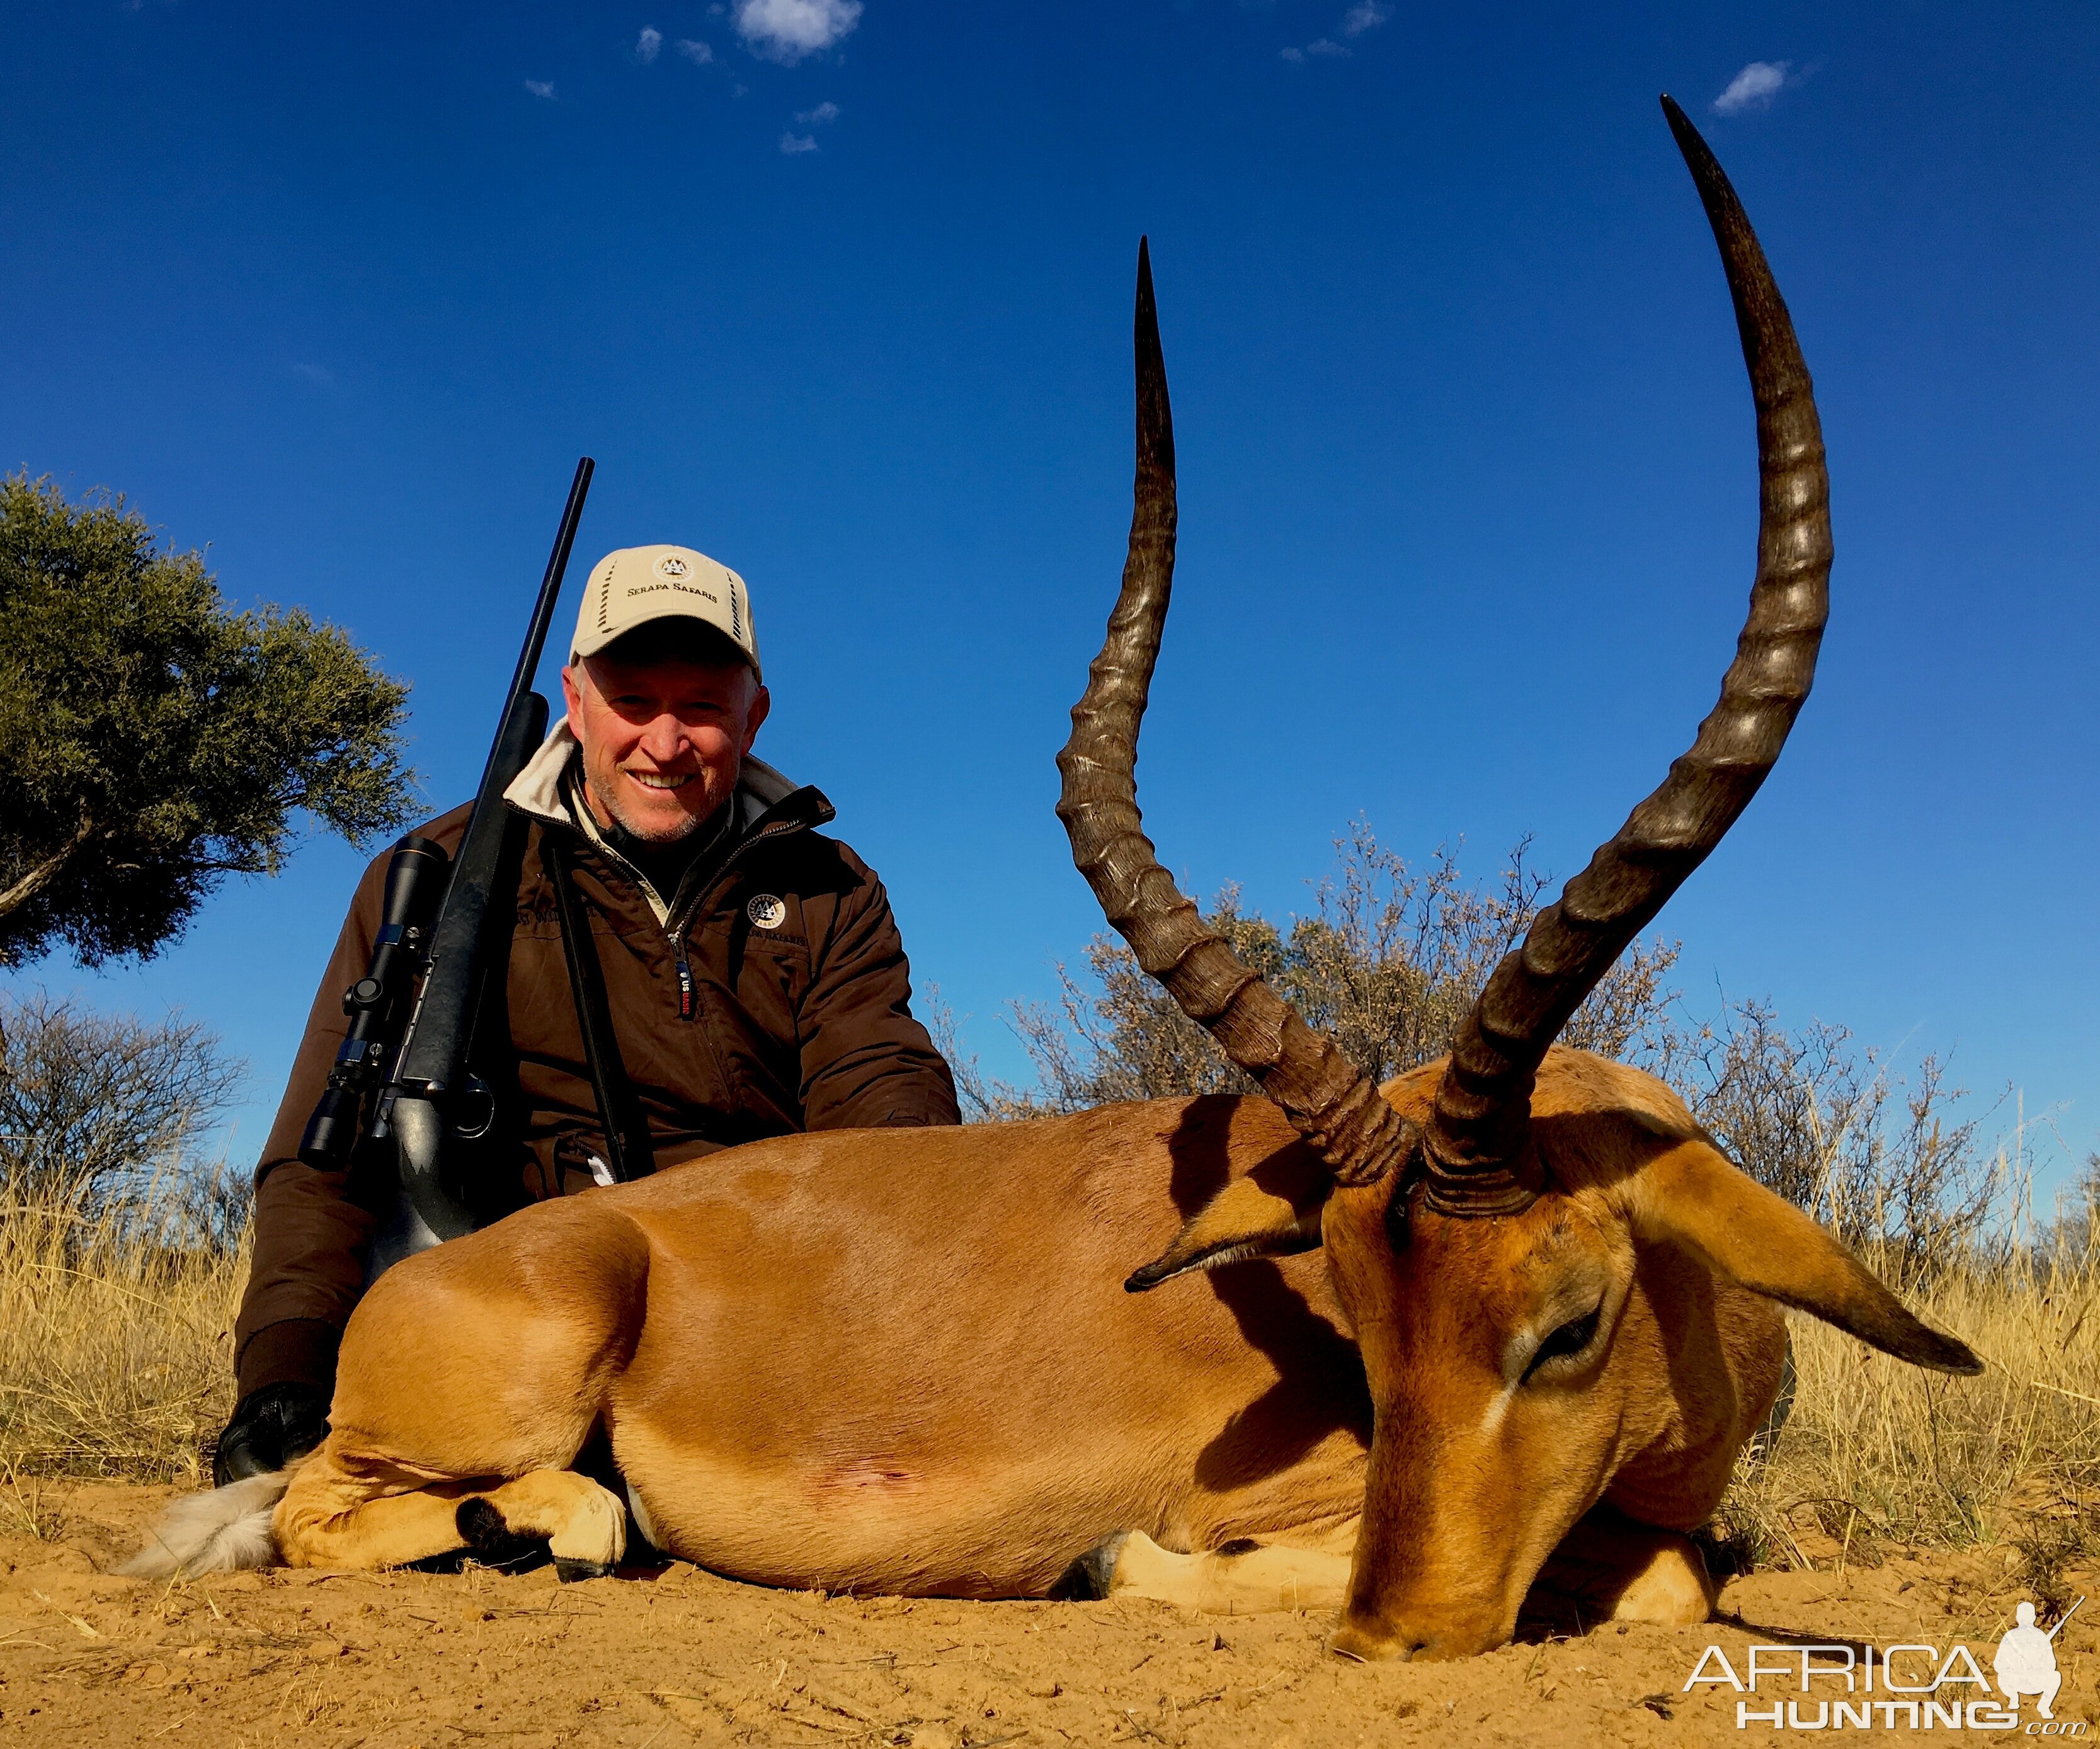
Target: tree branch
{"type": "Point", "coordinates": [14, 897]}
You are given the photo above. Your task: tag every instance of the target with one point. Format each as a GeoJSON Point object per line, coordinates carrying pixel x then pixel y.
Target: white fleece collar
{"type": "Point", "coordinates": [537, 790]}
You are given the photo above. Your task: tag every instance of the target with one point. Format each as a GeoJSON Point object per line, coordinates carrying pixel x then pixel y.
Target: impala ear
{"type": "Point", "coordinates": [1691, 1195]}
{"type": "Point", "coordinates": [1245, 1219]}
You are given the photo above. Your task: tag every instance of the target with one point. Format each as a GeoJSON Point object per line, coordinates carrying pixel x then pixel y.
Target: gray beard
{"type": "Point", "coordinates": [658, 837]}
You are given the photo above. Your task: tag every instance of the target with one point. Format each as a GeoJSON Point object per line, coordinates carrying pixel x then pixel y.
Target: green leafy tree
{"type": "Point", "coordinates": [152, 740]}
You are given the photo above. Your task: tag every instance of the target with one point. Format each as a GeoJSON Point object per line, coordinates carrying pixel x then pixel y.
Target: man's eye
{"type": "Point", "coordinates": [1571, 1338]}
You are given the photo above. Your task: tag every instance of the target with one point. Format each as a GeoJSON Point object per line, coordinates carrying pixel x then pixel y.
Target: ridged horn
{"type": "Point", "coordinates": [1334, 1106]}
{"type": "Point", "coordinates": [1473, 1151]}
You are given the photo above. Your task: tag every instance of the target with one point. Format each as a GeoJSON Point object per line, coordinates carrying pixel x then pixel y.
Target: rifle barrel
{"type": "Point", "coordinates": [543, 609]}
{"type": "Point", "coordinates": [469, 940]}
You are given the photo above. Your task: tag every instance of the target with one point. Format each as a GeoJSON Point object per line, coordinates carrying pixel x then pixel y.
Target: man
{"type": "Point", "coordinates": [755, 978]}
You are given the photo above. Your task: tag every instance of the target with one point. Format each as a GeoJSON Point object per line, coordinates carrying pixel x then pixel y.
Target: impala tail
{"type": "Point", "coordinates": [222, 1531]}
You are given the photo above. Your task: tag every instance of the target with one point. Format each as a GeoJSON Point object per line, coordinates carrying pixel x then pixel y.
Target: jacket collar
{"type": "Point", "coordinates": [765, 799]}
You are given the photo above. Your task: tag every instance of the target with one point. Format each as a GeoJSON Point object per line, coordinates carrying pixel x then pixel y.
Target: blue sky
{"type": "Point", "coordinates": [839, 294]}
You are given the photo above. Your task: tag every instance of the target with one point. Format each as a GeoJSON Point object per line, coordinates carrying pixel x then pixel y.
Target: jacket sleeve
{"type": "Point", "coordinates": [310, 1236]}
{"type": "Point", "coordinates": [867, 1063]}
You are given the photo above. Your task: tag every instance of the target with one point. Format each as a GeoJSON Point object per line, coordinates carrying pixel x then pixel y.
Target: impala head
{"type": "Point", "coordinates": [1553, 1278]}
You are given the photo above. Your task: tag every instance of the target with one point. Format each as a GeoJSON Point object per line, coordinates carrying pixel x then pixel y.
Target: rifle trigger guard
{"type": "Point", "coordinates": [474, 1110]}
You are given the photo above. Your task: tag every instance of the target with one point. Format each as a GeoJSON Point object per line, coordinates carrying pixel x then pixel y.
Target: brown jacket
{"type": "Point", "coordinates": [803, 1025]}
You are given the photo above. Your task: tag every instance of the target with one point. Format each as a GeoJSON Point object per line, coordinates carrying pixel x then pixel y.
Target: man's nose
{"type": "Point", "coordinates": [664, 739]}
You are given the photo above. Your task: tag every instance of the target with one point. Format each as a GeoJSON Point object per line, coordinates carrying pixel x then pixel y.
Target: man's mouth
{"type": "Point", "coordinates": [662, 780]}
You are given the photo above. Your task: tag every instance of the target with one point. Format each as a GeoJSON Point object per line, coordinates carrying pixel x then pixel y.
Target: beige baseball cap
{"type": "Point", "coordinates": [636, 585]}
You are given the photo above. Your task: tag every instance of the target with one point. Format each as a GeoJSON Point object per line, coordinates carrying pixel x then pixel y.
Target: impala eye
{"type": "Point", "coordinates": [1571, 1338]}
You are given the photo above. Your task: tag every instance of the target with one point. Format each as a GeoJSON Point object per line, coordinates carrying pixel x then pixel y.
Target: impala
{"type": "Point", "coordinates": [1506, 1320]}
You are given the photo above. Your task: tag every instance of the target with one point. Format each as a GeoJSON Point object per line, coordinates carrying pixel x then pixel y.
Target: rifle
{"type": "Point", "coordinates": [377, 1004]}
{"type": "Point", "coordinates": [430, 1100]}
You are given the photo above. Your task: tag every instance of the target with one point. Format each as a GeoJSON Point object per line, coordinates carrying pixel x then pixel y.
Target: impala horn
{"type": "Point", "coordinates": [1333, 1103]}
{"type": "Point", "coordinates": [1474, 1156]}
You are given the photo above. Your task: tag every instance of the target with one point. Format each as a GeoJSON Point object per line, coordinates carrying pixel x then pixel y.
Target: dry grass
{"type": "Point", "coordinates": [116, 1342]}
{"type": "Point", "coordinates": [1879, 1457]}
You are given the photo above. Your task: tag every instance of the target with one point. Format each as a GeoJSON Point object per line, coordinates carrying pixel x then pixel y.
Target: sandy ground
{"type": "Point", "coordinates": [675, 1656]}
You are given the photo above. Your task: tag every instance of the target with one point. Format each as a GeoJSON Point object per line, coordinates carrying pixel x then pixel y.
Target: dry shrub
{"type": "Point", "coordinates": [95, 1107]}
{"type": "Point", "coordinates": [121, 1256]}
{"type": "Point", "coordinates": [1888, 1162]}
{"type": "Point", "coordinates": [1387, 966]}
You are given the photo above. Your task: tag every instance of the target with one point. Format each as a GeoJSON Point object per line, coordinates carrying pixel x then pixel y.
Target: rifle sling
{"type": "Point", "coordinates": [628, 1152]}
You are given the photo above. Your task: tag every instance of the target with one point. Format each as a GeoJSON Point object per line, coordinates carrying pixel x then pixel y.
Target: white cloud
{"type": "Point", "coordinates": [648, 45]}
{"type": "Point", "coordinates": [698, 53]}
{"type": "Point", "coordinates": [542, 88]}
{"type": "Point", "coordinates": [1365, 15]}
{"type": "Point", "coordinates": [786, 30]}
{"type": "Point", "coordinates": [822, 113]}
{"type": "Point", "coordinates": [1754, 87]}
{"type": "Point", "coordinates": [795, 144]}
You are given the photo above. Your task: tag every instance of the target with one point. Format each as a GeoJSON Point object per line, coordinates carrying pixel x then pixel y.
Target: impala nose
{"type": "Point", "coordinates": [1368, 1638]}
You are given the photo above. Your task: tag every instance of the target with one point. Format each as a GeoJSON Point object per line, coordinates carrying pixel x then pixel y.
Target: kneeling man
{"type": "Point", "coordinates": [755, 978]}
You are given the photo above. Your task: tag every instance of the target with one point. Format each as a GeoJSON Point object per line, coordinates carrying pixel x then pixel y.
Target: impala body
{"type": "Point", "coordinates": [1505, 1321]}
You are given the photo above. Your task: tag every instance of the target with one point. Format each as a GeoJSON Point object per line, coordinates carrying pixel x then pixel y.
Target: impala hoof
{"type": "Point", "coordinates": [1088, 1578]}
{"type": "Point", "coordinates": [569, 1572]}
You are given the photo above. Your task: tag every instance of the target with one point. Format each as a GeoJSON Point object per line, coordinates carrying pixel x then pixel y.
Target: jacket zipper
{"type": "Point", "coordinates": [674, 931]}
{"type": "Point", "coordinates": [689, 992]}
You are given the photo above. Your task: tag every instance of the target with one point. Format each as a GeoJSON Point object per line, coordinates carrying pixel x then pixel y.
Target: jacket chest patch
{"type": "Point", "coordinates": [766, 910]}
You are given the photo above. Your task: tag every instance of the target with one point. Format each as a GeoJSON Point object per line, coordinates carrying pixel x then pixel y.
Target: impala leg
{"type": "Point", "coordinates": [470, 1378]}
{"type": "Point", "coordinates": [1242, 1578]}
{"type": "Point", "coordinates": [350, 1512]}
{"type": "Point", "coordinates": [345, 1512]}
{"type": "Point", "coordinates": [1608, 1568]}
{"type": "Point", "coordinates": [585, 1525]}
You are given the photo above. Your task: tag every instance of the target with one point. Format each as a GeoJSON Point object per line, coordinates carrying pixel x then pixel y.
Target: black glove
{"type": "Point", "coordinates": [271, 1427]}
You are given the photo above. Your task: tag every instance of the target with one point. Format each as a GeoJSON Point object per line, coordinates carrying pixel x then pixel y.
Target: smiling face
{"type": "Point", "coordinates": [664, 717]}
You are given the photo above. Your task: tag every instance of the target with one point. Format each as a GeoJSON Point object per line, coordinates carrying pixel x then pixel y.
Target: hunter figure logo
{"type": "Point", "coordinates": [671, 566]}
{"type": "Point", "coordinates": [769, 911]}
{"type": "Point", "coordinates": [2026, 1663]}
{"type": "Point", "coordinates": [1832, 1687]}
